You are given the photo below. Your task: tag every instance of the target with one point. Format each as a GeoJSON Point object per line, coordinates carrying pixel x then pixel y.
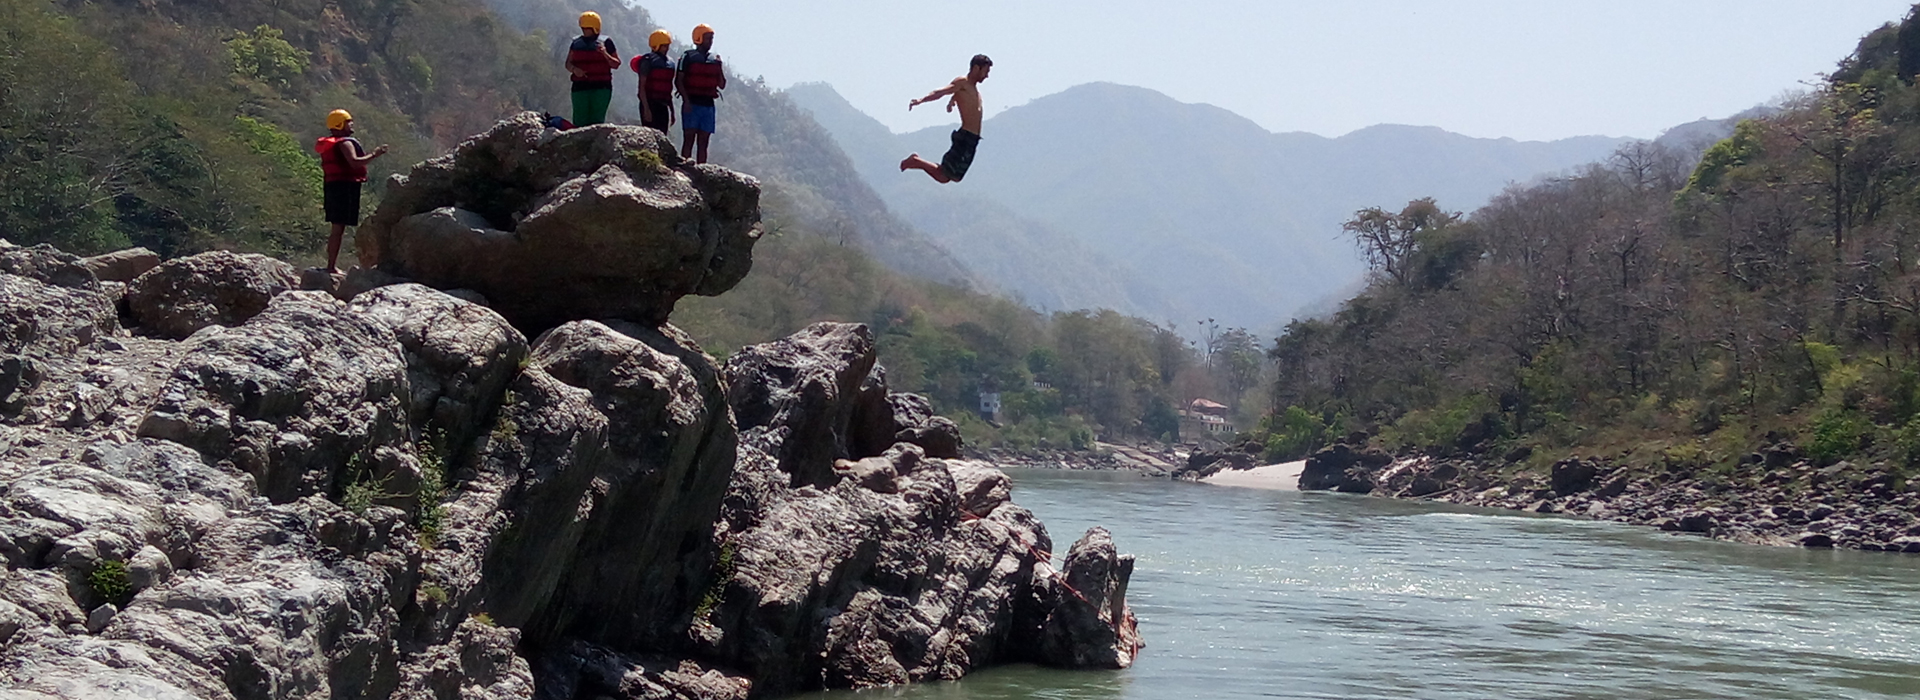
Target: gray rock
{"type": "Point", "coordinates": [559, 226]}
{"type": "Point", "coordinates": [1572, 476]}
{"type": "Point", "coordinates": [360, 280]}
{"type": "Point", "coordinates": [48, 265]}
{"type": "Point", "coordinates": [98, 619]}
{"type": "Point", "coordinates": [45, 320]}
{"type": "Point", "coordinates": [306, 397]}
{"type": "Point", "coordinates": [318, 279]}
{"type": "Point", "coordinates": [582, 670]}
{"type": "Point", "coordinates": [982, 488]}
{"type": "Point", "coordinates": [217, 288]}
{"type": "Point", "coordinates": [1091, 625]}
{"type": "Point", "coordinates": [803, 387]}
{"type": "Point", "coordinates": [460, 358]}
{"type": "Point", "coordinates": [121, 265]}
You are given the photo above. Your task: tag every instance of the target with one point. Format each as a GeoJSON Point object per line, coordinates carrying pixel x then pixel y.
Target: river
{"type": "Point", "coordinates": [1246, 593]}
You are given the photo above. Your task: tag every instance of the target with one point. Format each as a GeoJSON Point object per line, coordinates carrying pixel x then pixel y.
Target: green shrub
{"type": "Point", "coordinates": [362, 491]}
{"type": "Point", "coordinates": [1836, 433]}
{"type": "Point", "coordinates": [433, 487]}
{"type": "Point", "coordinates": [111, 582]}
{"type": "Point", "coordinates": [1437, 428]}
{"type": "Point", "coordinates": [266, 57]}
{"type": "Point", "coordinates": [1296, 434]}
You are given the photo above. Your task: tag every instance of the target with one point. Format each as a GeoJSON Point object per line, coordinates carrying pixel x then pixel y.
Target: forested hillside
{"type": "Point", "coordinates": [184, 126]}
{"type": "Point", "coordinates": [1673, 315]}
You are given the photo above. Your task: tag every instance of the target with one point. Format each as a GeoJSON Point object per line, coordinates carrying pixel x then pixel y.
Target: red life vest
{"type": "Point", "coordinates": [584, 54]}
{"type": "Point", "coordinates": [335, 167]}
{"type": "Point", "coordinates": [704, 78]}
{"type": "Point", "coordinates": [659, 74]}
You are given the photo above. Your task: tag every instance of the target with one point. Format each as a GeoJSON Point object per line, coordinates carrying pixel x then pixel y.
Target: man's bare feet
{"type": "Point", "coordinates": [908, 163]}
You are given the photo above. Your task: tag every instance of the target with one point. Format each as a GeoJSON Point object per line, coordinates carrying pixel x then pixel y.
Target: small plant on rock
{"type": "Point", "coordinates": [362, 491]}
{"type": "Point", "coordinates": [111, 582]}
{"type": "Point", "coordinates": [722, 572]}
{"type": "Point", "coordinates": [645, 161]}
{"type": "Point", "coordinates": [433, 487]}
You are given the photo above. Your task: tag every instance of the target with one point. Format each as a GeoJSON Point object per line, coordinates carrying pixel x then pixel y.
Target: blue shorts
{"type": "Point", "coordinates": [697, 118]}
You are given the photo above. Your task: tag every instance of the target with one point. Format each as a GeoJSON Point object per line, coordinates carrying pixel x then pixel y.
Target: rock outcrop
{"type": "Point", "coordinates": [1785, 499]}
{"type": "Point", "coordinates": [259, 491]}
{"type": "Point", "coordinates": [849, 568]}
{"type": "Point", "coordinates": [554, 226]}
{"type": "Point", "coordinates": [217, 288]}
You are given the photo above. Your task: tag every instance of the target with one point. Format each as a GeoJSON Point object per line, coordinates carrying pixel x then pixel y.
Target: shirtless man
{"type": "Point", "coordinates": [963, 92]}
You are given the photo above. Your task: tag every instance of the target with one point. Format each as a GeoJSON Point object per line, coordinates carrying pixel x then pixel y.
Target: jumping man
{"type": "Point", "coordinates": [963, 92]}
{"type": "Point", "coordinates": [701, 80]}
{"type": "Point", "coordinates": [591, 59]}
{"type": "Point", "coordinates": [656, 81]}
{"type": "Point", "coordinates": [343, 167]}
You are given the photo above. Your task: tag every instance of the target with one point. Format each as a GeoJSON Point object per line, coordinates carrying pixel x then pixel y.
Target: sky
{"type": "Point", "coordinates": [1523, 69]}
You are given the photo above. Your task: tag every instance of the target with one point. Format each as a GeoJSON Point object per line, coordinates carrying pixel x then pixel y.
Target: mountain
{"type": "Point", "coordinates": [1172, 210]}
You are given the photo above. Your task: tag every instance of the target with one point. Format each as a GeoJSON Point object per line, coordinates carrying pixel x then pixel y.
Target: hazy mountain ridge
{"type": "Point", "coordinates": [1202, 212]}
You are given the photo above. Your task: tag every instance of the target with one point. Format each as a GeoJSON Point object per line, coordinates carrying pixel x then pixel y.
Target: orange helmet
{"type": "Point", "coordinates": [590, 20]}
{"type": "Point", "coordinates": [337, 119]}
{"type": "Point", "coordinates": [660, 39]}
{"type": "Point", "coordinates": [701, 33]}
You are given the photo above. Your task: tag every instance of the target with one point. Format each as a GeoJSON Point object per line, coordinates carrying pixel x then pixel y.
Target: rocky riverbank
{"type": "Point", "coordinates": [216, 484]}
{"type": "Point", "coordinates": [1776, 497]}
{"type": "Point", "coordinates": [1151, 459]}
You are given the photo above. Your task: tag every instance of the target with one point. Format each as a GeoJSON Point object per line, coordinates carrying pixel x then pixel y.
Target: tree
{"type": "Point", "coordinates": [1390, 241]}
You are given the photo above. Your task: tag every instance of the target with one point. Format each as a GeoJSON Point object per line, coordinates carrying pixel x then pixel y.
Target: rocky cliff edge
{"type": "Point", "coordinates": [214, 484]}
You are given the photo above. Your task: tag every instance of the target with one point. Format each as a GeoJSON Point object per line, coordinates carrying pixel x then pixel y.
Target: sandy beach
{"type": "Point", "coordinates": [1282, 477]}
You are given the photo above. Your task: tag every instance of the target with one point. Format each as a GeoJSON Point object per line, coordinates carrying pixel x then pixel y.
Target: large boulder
{"type": "Point", "coordinates": [460, 357]}
{"type": "Point", "coordinates": [121, 265]}
{"type": "Point", "coordinates": [217, 288]}
{"type": "Point", "coordinates": [841, 568]}
{"type": "Point", "coordinates": [37, 318]}
{"type": "Point", "coordinates": [1090, 625]}
{"type": "Point", "coordinates": [554, 226]}
{"type": "Point", "coordinates": [307, 397]}
{"type": "Point", "coordinates": [798, 395]}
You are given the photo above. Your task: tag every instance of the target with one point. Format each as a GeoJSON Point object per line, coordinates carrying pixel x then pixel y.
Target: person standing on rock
{"type": "Point", "coordinates": [343, 169]}
{"type": "Point", "coordinates": [964, 93]}
{"type": "Point", "coordinates": [656, 82]}
{"type": "Point", "coordinates": [591, 59]}
{"type": "Point", "coordinates": [701, 77]}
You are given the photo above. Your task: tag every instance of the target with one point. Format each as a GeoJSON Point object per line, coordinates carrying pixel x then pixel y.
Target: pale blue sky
{"type": "Point", "coordinates": [1528, 70]}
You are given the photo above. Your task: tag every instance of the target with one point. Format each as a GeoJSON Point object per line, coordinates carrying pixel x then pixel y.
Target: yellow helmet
{"type": "Point", "coordinates": [701, 32]}
{"type": "Point", "coordinates": [337, 119]}
{"type": "Point", "coordinates": [590, 20]}
{"type": "Point", "coordinates": [659, 39]}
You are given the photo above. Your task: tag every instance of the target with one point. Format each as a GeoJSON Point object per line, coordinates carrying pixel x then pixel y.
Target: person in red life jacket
{"type": "Point", "coordinates": [964, 93]}
{"type": "Point", "coordinates": [656, 82]}
{"type": "Point", "coordinates": [591, 59]}
{"type": "Point", "coordinates": [701, 79]}
{"type": "Point", "coordinates": [343, 167]}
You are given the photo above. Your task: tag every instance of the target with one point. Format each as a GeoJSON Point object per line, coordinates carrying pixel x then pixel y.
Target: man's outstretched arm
{"type": "Point", "coordinates": [931, 96]}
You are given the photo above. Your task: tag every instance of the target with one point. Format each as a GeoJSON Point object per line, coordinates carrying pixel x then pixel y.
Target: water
{"type": "Point", "coordinates": [1274, 594]}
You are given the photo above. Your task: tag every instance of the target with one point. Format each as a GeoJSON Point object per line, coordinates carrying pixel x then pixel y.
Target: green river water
{"type": "Point", "coordinates": [1277, 594]}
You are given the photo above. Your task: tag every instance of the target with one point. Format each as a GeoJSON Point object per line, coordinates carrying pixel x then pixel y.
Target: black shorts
{"type": "Point", "coordinates": [959, 157]}
{"type": "Point", "coordinates": [342, 202]}
{"type": "Point", "coordinates": [662, 111]}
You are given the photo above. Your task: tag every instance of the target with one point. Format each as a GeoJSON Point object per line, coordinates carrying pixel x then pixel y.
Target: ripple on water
{"type": "Point", "coordinates": [1272, 594]}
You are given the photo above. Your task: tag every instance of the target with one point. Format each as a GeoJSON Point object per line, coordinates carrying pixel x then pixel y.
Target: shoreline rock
{"type": "Point", "coordinates": [1789, 501]}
